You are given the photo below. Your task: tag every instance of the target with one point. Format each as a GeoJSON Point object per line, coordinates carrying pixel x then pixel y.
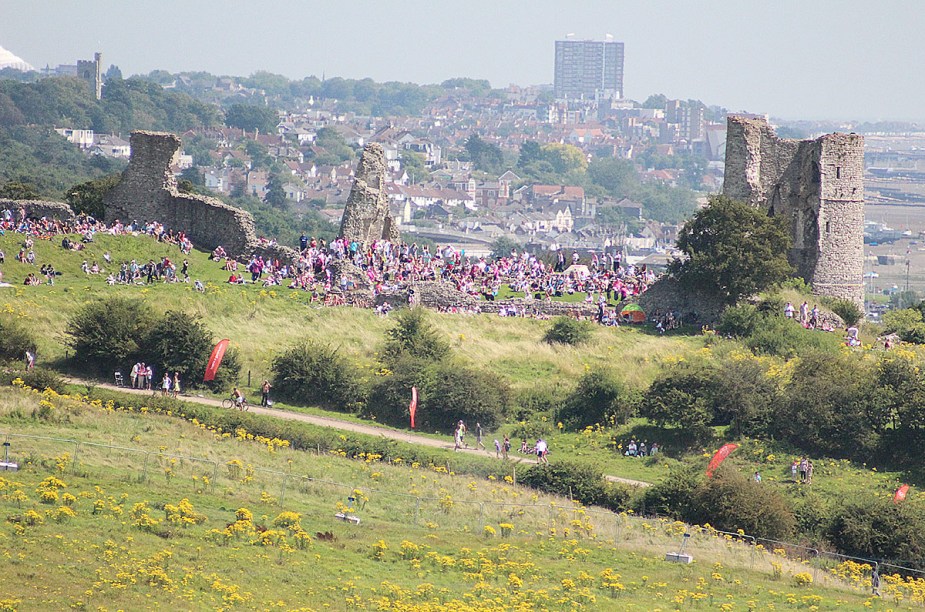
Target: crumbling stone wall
{"type": "Point", "coordinates": [148, 191]}
{"type": "Point", "coordinates": [366, 215]}
{"type": "Point", "coordinates": [39, 208]}
{"type": "Point", "coordinates": [818, 185]}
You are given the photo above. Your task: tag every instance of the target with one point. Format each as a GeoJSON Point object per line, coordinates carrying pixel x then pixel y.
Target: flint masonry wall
{"type": "Point", "coordinates": [148, 191]}
{"type": "Point", "coordinates": [366, 214]}
{"type": "Point", "coordinates": [39, 209]}
{"type": "Point", "coordinates": [818, 185]}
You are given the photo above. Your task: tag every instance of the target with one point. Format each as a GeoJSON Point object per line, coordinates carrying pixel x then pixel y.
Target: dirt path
{"type": "Point", "coordinates": [324, 421]}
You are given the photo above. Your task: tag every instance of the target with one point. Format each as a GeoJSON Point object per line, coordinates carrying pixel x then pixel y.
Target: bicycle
{"type": "Point", "coordinates": [229, 403]}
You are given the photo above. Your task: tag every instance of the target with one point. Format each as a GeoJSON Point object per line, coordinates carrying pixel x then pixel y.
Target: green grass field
{"type": "Point", "coordinates": [105, 526]}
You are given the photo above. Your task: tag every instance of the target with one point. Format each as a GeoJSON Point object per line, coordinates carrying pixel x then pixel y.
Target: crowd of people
{"type": "Point", "coordinates": [87, 228]}
{"type": "Point", "coordinates": [642, 449]}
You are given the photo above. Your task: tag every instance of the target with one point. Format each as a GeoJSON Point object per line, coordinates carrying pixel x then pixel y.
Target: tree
{"type": "Point", "coordinates": [565, 158]}
{"type": "Point", "coordinates": [311, 373]}
{"type": "Point", "coordinates": [732, 251]}
{"type": "Point", "coordinates": [599, 396]}
{"type": "Point", "coordinates": [106, 334]}
{"type": "Point", "coordinates": [682, 396]}
{"type": "Point", "coordinates": [18, 190]}
{"type": "Point", "coordinates": [656, 101]}
{"type": "Point", "coordinates": [617, 176]}
{"type": "Point", "coordinates": [276, 195]}
{"type": "Point", "coordinates": [88, 197]}
{"type": "Point", "coordinates": [484, 156]}
{"type": "Point", "coordinates": [413, 335]}
{"type": "Point", "coordinates": [179, 342]}
{"type": "Point", "coordinates": [250, 117]}
{"type": "Point", "coordinates": [503, 246]}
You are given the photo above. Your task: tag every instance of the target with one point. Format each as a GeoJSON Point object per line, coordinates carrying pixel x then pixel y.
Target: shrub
{"type": "Point", "coordinates": [565, 330]}
{"type": "Point", "coordinates": [413, 335]}
{"type": "Point", "coordinates": [744, 396]}
{"type": "Point", "coordinates": [105, 334]}
{"type": "Point", "coordinates": [906, 323]}
{"type": "Point", "coordinates": [784, 338]}
{"type": "Point", "coordinates": [447, 392]}
{"type": "Point", "coordinates": [462, 392]}
{"type": "Point", "coordinates": [37, 378]}
{"type": "Point", "coordinates": [313, 373]}
{"type": "Point", "coordinates": [536, 400]}
{"type": "Point", "coordinates": [179, 342]}
{"type": "Point", "coordinates": [682, 396]}
{"type": "Point", "coordinates": [824, 409]}
{"type": "Point", "coordinates": [674, 496]}
{"type": "Point", "coordinates": [850, 312]}
{"type": "Point", "coordinates": [739, 321]}
{"type": "Point", "coordinates": [15, 339]}
{"type": "Point", "coordinates": [729, 501]}
{"type": "Point", "coordinates": [581, 481]}
{"type": "Point", "coordinates": [599, 397]}
{"type": "Point", "coordinates": [876, 528]}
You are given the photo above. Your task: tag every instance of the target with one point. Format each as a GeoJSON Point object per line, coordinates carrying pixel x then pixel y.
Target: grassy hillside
{"type": "Point", "coordinates": [152, 510]}
{"type": "Point", "coordinates": [262, 321]}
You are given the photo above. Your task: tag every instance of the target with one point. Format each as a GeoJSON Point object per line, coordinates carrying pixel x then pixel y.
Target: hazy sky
{"type": "Point", "coordinates": [839, 59]}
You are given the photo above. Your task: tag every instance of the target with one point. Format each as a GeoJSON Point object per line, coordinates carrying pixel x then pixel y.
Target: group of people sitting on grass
{"type": "Point", "coordinates": [385, 266]}
{"type": "Point", "coordinates": [641, 449]}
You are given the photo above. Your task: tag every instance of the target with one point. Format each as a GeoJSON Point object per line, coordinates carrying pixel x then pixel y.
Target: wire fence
{"type": "Point", "coordinates": [246, 483]}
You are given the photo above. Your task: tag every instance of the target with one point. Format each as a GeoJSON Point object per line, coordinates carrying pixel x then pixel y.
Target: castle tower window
{"type": "Point", "coordinates": [838, 172]}
{"type": "Point", "coordinates": [828, 227]}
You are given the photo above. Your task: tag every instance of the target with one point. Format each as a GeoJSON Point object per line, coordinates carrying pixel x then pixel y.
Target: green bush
{"type": "Point", "coordinates": [782, 337]}
{"type": "Point", "coordinates": [313, 373]}
{"type": "Point", "coordinates": [37, 378]}
{"type": "Point", "coordinates": [876, 528]}
{"type": "Point", "coordinates": [179, 342]}
{"type": "Point", "coordinates": [447, 392]}
{"type": "Point", "coordinates": [907, 323]}
{"type": "Point", "coordinates": [537, 399]}
{"type": "Point", "coordinates": [600, 397]}
{"type": "Point", "coordinates": [730, 501]}
{"type": "Point", "coordinates": [15, 339]}
{"type": "Point", "coordinates": [682, 396]}
{"type": "Point", "coordinates": [105, 334]}
{"type": "Point", "coordinates": [565, 330]}
{"type": "Point", "coordinates": [580, 481]}
{"type": "Point", "coordinates": [825, 408]}
{"type": "Point", "coordinates": [739, 321]}
{"type": "Point", "coordinates": [413, 335]}
{"type": "Point", "coordinates": [674, 496]}
{"type": "Point", "coordinates": [850, 312]}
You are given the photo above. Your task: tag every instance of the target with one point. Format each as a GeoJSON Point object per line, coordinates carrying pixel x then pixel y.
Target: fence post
{"type": "Point", "coordinates": [514, 472]}
{"type": "Point", "coordinates": [214, 476]}
{"type": "Point", "coordinates": [282, 490]}
{"type": "Point", "coordinates": [417, 509]}
{"type": "Point", "coordinates": [144, 469]}
{"type": "Point", "coordinates": [76, 454]}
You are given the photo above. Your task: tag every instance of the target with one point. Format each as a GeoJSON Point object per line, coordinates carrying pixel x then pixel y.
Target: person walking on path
{"type": "Point", "coordinates": [265, 394]}
{"type": "Point", "coordinates": [478, 436]}
{"type": "Point", "coordinates": [541, 451]}
{"type": "Point", "coordinates": [176, 384]}
{"type": "Point", "coordinates": [506, 447]}
{"type": "Point", "coordinates": [497, 449]}
{"type": "Point", "coordinates": [165, 385]}
{"type": "Point", "coordinates": [875, 581]}
{"type": "Point", "coordinates": [135, 375]}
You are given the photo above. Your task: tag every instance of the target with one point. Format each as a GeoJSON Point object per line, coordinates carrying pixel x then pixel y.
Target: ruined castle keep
{"type": "Point", "coordinates": [148, 191]}
{"type": "Point", "coordinates": [366, 215]}
{"type": "Point", "coordinates": [818, 186]}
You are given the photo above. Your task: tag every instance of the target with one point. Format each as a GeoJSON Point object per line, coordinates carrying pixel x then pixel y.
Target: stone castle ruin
{"type": "Point", "coordinates": [818, 186]}
{"type": "Point", "coordinates": [148, 191]}
{"type": "Point", "coordinates": [366, 215]}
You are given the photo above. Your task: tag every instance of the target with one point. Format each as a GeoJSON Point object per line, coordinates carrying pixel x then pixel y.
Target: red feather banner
{"type": "Point", "coordinates": [719, 457]}
{"type": "Point", "coordinates": [900, 494]}
{"type": "Point", "coordinates": [413, 407]}
{"type": "Point", "coordinates": [215, 359]}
